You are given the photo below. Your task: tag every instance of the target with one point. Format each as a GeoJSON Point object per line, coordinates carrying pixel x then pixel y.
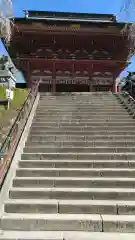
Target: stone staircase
{"type": "Point", "coordinates": [77, 172]}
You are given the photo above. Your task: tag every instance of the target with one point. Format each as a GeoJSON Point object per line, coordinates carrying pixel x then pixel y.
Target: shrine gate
{"type": "Point", "coordinates": [69, 51]}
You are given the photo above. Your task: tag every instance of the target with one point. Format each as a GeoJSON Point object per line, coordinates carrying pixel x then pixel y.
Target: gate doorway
{"type": "Point", "coordinates": [45, 87]}
{"type": "Point", "coordinates": [72, 88]}
{"type": "Point", "coordinates": [102, 88]}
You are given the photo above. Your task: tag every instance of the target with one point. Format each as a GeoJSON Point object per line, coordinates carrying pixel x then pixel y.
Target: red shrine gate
{"type": "Point", "coordinates": [68, 51]}
{"type": "Point", "coordinates": [66, 82]}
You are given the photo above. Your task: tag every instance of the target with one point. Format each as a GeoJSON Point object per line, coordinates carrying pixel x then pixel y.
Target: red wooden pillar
{"type": "Point", "coordinates": [29, 80]}
{"type": "Point", "coordinates": [73, 70]}
{"type": "Point", "coordinates": [90, 75]}
{"type": "Point", "coordinates": [54, 78]}
{"type": "Point", "coordinates": [114, 87]}
{"type": "Point", "coordinates": [118, 88]}
{"type": "Point", "coordinates": [90, 79]}
{"type": "Point", "coordinates": [25, 68]}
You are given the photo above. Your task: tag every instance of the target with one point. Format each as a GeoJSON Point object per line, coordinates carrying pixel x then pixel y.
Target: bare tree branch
{"type": "Point", "coordinates": [6, 12]}
{"type": "Point", "coordinates": [127, 14]}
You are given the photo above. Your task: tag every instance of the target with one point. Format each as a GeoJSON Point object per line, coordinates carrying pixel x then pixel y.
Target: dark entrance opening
{"type": "Point", "coordinates": [72, 88]}
{"type": "Point", "coordinates": [64, 88]}
{"type": "Point", "coordinates": [102, 88]}
{"type": "Point", "coordinates": [45, 87]}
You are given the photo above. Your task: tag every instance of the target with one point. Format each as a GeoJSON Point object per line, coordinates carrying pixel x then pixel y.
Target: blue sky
{"type": "Point", "coordinates": [96, 6]}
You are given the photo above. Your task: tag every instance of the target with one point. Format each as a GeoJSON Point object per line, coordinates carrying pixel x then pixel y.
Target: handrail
{"type": "Point", "coordinates": [9, 146]}
{"type": "Point", "coordinates": [130, 98]}
{"type": "Point", "coordinates": [128, 102]}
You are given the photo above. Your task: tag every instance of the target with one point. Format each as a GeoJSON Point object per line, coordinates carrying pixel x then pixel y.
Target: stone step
{"type": "Point", "coordinates": [79, 156]}
{"type": "Point", "coordinates": [76, 105]}
{"type": "Point", "coordinates": [63, 131]}
{"type": "Point", "coordinates": [124, 194]}
{"type": "Point", "coordinates": [77, 96]}
{"type": "Point", "coordinates": [47, 222]}
{"type": "Point", "coordinates": [78, 102]}
{"type": "Point", "coordinates": [83, 97]}
{"type": "Point", "coordinates": [75, 172]}
{"type": "Point", "coordinates": [87, 107]}
{"type": "Point", "coordinates": [88, 114]}
{"type": "Point", "coordinates": [61, 95]}
{"type": "Point", "coordinates": [80, 115]}
{"type": "Point", "coordinates": [80, 144]}
{"type": "Point", "coordinates": [80, 105]}
{"type": "Point", "coordinates": [75, 111]}
{"type": "Point", "coordinates": [31, 206]}
{"type": "Point", "coordinates": [82, 118]}
{"type": "Point", "coordinates": [65, 235]}
{"type": "Point", "coordinates": [76, 164]}
{"type": "Point", "coordinates": [72, 100]}
{"type": "Point", "coordinates": [68, 222]}
{"type": "Point", "coordinates": [88, 97]}
{"type": "Point", "coordinates": [96, 137]}
{"type": "Point", "coordinates": [78, 110]}
{"type": "Point", "coordinates": [83, 124]}
{"type": "Point", "coordinates": [70, 206]}
{"type": "Point", "coordinates": [36, 235]}
{"type": "Point", "coordinates": [81, 108]}
{"type": "Point", "coordinates": [82, 102]}
{"type": "Point", "coordinates": [77, 149]}
{"type": "Point", "coordinates": [83, 128]}
{"type": "Point", "coordinates": [78, 140]}
{"type": "Point", "coordinates": [76, 182]}
{"type": "Point", "coordinates": [77, 127]}
{"type": "Point", "coordinates": [79, 99]}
